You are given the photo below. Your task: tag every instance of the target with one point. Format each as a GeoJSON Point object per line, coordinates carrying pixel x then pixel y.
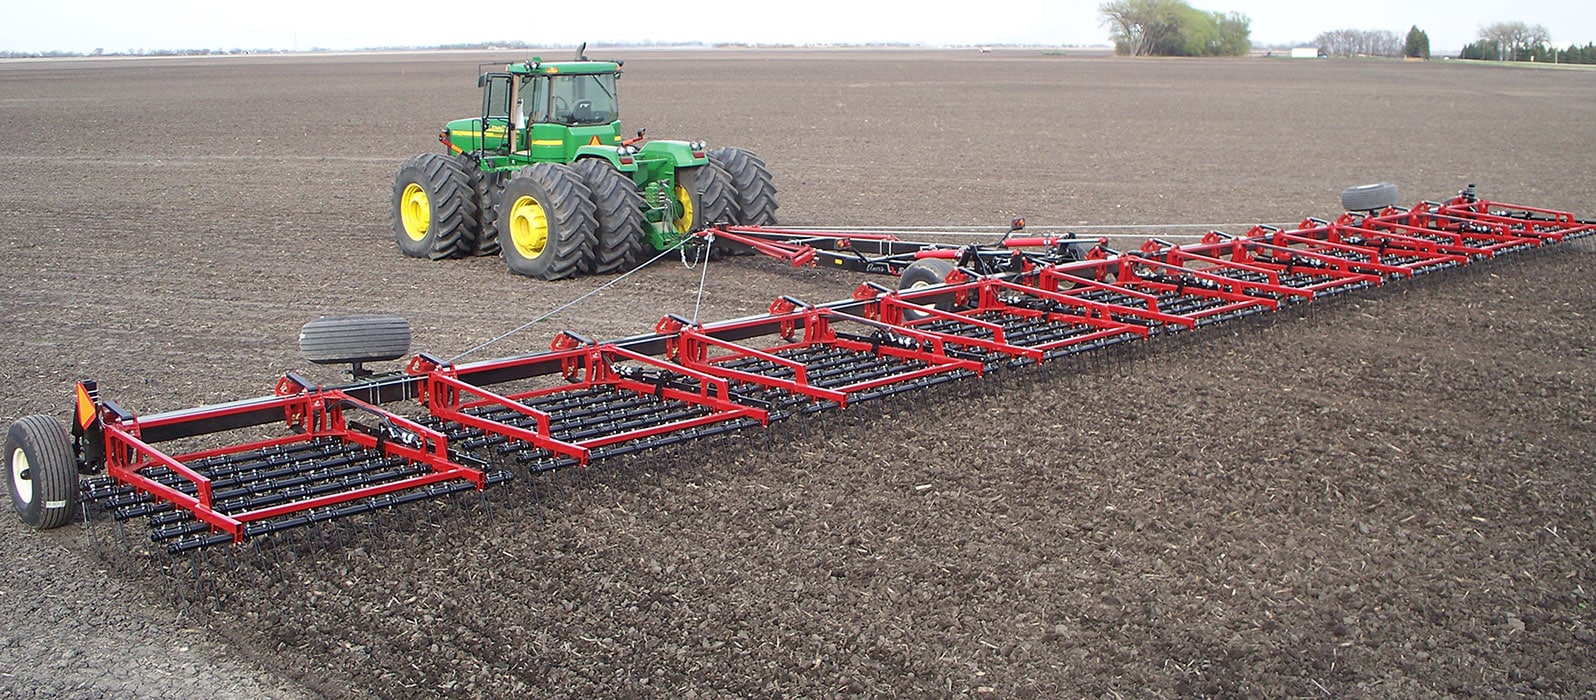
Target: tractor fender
{"type": "Point", "coordinates": [681, 153]}
{"type": "Point", "coordinates": [609, 153]}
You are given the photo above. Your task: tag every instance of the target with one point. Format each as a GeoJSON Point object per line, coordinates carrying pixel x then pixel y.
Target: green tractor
{"type": "Point", "coordinates": [545, 179]}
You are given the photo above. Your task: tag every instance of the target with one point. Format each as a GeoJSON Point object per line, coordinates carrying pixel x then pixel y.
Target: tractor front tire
{"type": "Point", "coordinates": [546, 222]}
{"type": "Point", "coordinates": [705, 192]}
{"type": "Point", "coordinates": [42, 472]}
{"type": "Point", "coordinates": [434, 208]}
{"type": "Point", "coordinates": [751, 184]}
{"type": "Point", "coordinates": [618, 211]}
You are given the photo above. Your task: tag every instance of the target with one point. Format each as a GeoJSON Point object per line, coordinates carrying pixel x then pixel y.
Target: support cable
{"type": "Point", "coordinates": [571, 303]}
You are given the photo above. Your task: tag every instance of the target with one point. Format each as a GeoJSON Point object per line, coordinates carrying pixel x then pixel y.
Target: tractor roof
{"type": "Point", "coordinates": [537, 67]}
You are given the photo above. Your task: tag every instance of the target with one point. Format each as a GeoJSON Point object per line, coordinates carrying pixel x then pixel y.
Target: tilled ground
{"type": "Point", "coordinates": [1380, 495]}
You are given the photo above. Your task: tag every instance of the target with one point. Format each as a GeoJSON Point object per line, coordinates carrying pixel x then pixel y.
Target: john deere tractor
{"type": "Point", "coordinates": [545, 178]}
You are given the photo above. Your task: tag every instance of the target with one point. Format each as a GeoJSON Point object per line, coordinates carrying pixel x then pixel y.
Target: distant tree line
{"type": "Point", "coordinates": [1518, 41]}
{"type": "Point", "coordinates": [1360, 42]}
{"type": "Point", "coordinates": [1417, 44]}
{"type": "Point", "coordinates": [1174, 28]}
{"type": "Point", "coordinates": [1503, 41]}
{"type": "Point", "coordinates": [1374, 42]}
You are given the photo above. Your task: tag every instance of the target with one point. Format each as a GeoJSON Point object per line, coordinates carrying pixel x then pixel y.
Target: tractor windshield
{"type": "Point", "coordinates": [573, 100]}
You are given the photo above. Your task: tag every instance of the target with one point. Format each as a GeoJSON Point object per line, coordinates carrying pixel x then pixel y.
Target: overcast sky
{"type": "Point", "coordinates": [120, 25]}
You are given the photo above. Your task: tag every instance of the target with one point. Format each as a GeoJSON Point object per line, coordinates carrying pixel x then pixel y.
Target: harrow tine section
{"type": "Point", "coordinates": [615, 401]}
{"type": "Point", "coordinates": [582, 401]}
{"type": "Point", "coordinates": [824, 365]}
{"type": "Point", "coordinates": [333, 466]}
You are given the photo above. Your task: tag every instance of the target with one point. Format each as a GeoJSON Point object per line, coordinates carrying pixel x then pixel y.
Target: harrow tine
{"type": "Point", "coordinates": [640, 402]}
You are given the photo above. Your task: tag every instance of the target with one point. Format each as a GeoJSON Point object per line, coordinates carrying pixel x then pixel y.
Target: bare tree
{"type": "Point", "coordinates": [1360, 42]}
{"type": "Point", "coordinates": [1513, 38]}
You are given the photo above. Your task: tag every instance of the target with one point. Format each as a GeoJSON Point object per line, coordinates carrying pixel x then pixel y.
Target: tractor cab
{"type": "Point", "coordinates": [543, 112]}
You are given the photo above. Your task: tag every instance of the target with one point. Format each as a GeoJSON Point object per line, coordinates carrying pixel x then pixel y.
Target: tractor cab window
{"type": "Point", "coordinates": [582, 100]}
{"type": "Point", "coordinates": [496, 97]}
{"type": "Point", "coordinates": [535, 99]}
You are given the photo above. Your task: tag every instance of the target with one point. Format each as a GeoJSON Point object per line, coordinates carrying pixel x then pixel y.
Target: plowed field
{"type": "Point", "coordinates": [1387, 494]}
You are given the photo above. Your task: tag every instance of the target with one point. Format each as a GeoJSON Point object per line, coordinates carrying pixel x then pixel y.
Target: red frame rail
{"type": "Point", "coordinates": [686, 380]}
{"type": "Point", "coordinates": [585, 366]}
{"type": "Point", "coordinates": [313, 415]}
{"type": "Point", "coordinates": [917, 355]}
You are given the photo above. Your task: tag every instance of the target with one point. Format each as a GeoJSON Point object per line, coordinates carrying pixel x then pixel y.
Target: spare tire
{"type": "Point", "coordinates": [335, 340]}
{"type": "Point", "coordinates": [1369, 197]}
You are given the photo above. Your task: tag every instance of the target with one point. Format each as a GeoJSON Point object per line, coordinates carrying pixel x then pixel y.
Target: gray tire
{"type": "Point", "coordinates": [41, 472]}
{"type": "Point", "coordinates": [922, 273]}
{"type": "Point", "coordinates": [1369, 197]}
{"type": "Point", "coordinates": [341, 339]}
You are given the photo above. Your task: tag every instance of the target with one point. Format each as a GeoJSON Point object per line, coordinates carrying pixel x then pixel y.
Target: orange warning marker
{"type": "Point", "coordinates": [86, 410]}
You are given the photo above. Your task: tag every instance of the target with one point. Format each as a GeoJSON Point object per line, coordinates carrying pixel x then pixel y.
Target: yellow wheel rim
{"type": "Point", "coordinates": [415, 212]}
{"type": "Point", "coordinates": [529, 227]}
{"type": "Point", "coordinates": [685, 199]}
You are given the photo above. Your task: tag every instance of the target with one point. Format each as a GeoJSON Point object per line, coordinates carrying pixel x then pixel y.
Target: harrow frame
{"type": "Point", "coordinates": [1021, 301]}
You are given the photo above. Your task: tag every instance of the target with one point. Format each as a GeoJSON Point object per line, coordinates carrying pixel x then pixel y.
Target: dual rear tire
{"type": "Point", "coordinates": [547, 222]}
{"type": "Point", "coordinates": [557, 221]}
{"type": "Point", "coordinates": [551, 221]}
{"type": "Point", "coordinates": [435, 209]}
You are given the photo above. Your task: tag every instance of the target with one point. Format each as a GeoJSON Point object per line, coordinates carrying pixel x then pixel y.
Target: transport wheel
{"type": "Point", "coordinates": [751, 183]}
{"type": "Point", "coordinates": [922, 273]}
{"type": "Point", "coordinates": [42, 473]}
{"type": "Point", "coordinates": [339, 339]}
{"type": "Point", "coordinates": [546, 224]}
{"type": "Point", "coordinates": [434, 208]}
{"type": "Point", "coordinates": [1369, 197]}
{"type": "Point", "coordinates": [619, 213]}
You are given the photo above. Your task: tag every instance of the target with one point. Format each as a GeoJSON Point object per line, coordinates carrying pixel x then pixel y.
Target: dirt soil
{"type": "Point", "coordinates": [1387, 495]}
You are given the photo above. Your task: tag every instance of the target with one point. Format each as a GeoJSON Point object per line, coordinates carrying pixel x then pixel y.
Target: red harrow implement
{"type": "Point", "coordinates": [958, 312]}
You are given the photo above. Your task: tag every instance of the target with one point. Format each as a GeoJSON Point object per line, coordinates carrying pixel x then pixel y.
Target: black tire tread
{"type": "Point", "coordinates": [453, 229]}
{"type": "Point", "coordinates": [752, 184]}
{"type": "Point", "coordinates": [717, 199]}
{"type": "Point", "coordinates": [341, 339]}
{"type": "Point", "coordinates": [53, 467]}
{"type": "Point", "coordinates": [618, 211]}
{"type": "Point", "coordinates": [490, 191]}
